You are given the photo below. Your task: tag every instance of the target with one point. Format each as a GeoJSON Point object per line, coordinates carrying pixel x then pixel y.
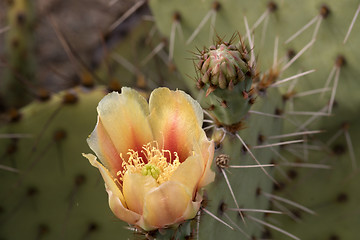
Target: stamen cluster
{"type": "Point", "coordinates": [158, 163]}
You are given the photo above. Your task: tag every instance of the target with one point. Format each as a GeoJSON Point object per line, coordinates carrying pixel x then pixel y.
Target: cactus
{"type": "Point", "coordinates": [331, 194]}
{"type": "Point", "coordinates": [245, 183]}
{"type": "Point", "coordinates": [51, 202]}
{"type": "Point", "coordinates": [19, 55]}
{"type": "Point", "coordinates": [228, 17]}
{"type": "Point", "coordinates": [54, 193]}
{"type": "Point", "coordinates": [229, 84]}
{"type": "Point", "coordinates": [319, 53]}
{"type": "Point", "coordinates": [139, 60]}
{"type": "Point", "coordinates": [247, 108]}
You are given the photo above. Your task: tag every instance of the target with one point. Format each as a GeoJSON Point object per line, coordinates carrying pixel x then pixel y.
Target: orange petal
{"type": "Point", "coordinates": [116, 198]}
{"type": "Point", "coordinates": [167, 205]}
{"type": "Point", "coordinates": [124, 117]}
{"type": "Point", "coordinates": [189, 173]}
{"type": "Point", "coordinates": [100, 142]}
{"type": "Point", "coordinates": [175, 119]}
{"type": "Point", "coordinates": [135, 188]}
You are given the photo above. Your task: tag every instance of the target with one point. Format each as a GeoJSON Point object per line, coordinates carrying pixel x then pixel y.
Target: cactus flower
{"type": "Point", "coordinates": [154, 157]}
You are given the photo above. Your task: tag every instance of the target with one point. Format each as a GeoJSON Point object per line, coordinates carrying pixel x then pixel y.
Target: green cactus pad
{"type": "Point", "coordinates": [327, 57]}
{"type": "Point", "coordinates": [56, 194]}
{"type": "Point", "coordinates": [246, 183]}
{"type": "Point", "coordinates": [19, 50]}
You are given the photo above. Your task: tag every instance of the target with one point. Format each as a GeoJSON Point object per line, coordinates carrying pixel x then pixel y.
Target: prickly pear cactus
{"type": "Point", "coordinates": [228, 83]}
{"type": "Point", "coordinates": [140, 59]}
{"type": "Point", "coordinates": [20, 63]}
{"type": "Point", "coordinates": [48, 190]}
{"type": "Point", "coordinates": [331, 194]}
{"type": "Point", "coordinates": [308, 51]}
{"type": "Point", "coordinates": [289, 63]}
{"type": "Point", "coordinates": [235, 196]}
{"type": "Point", "coordinates": [41, 169]}
{"type": "Point", "coordinates": [332, 52]}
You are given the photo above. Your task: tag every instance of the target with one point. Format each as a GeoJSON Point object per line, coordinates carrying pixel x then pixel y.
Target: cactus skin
{"type": "Point", "coordinates": [135, 48]}
{"type": "Point", "coordinates": [230, 107]}
{"type": "Point", "coordinates": [332, 194]}
{"type": "Point", "coordinates": [245, 182]}
{"type": "Point", "coordinates": [20, 54]}
{"type": "Point", "coordinates": [57, 194]}
{"type": "Point", "coordinates": [283, 20]}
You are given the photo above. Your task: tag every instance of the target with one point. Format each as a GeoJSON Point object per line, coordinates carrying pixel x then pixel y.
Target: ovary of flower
{"type": "Point", "coordinates": [156, 164]}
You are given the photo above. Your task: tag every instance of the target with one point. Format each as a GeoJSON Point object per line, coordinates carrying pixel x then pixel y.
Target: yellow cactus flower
{"type": "Point", "coordinates": [154, 157]}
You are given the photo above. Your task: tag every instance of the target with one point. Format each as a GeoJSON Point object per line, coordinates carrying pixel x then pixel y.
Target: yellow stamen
{"type": "Point", "coordinates": [158, 166]}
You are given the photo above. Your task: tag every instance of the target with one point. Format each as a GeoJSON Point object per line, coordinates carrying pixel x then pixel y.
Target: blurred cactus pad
{"type": "Point", "coordinates": [277, 80]}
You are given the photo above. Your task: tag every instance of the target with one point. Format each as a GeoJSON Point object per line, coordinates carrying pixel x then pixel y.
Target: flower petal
{"type": "Point", "coordinates": [189, 173]}
{"type": "Point", "coordinates": [124, 117]}
{"type": "Point", "coordinates": [175, 119]}
{"type": "Point", "coordinates": [120, 211]}
{"type": "Point", "coordinates": [167, 205]}
{"type": "Point", "coordinates": [116, 198]}
{"type": "Point", "coordinates": [108, 178]}
{"type": "Point", "coordinates": [207, 152]}
{"type": "Point", "coordinates": [135, 188]}
{"type": "Point", "coordinates": [193, 208]}
{"type": "Point", "coordinates": [100, 142]}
